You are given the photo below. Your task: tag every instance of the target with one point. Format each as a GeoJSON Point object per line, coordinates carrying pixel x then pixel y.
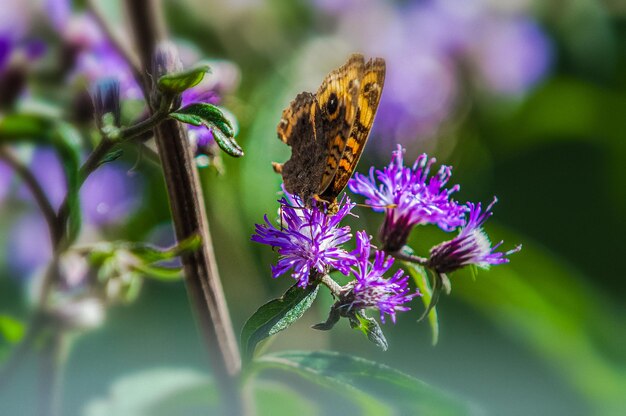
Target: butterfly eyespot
{"type": "Point", "coordinates": [332, 104]}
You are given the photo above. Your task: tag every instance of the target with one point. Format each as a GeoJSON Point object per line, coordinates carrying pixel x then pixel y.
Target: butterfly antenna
{"type": "Point", "coordinates": [388, 206]}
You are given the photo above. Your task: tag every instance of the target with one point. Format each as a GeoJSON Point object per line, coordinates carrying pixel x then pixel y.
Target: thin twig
{"type": "Point", "coordinates": [334, 287]}
{"type": "Point", "coordinates": [408, 257]}
{"type": "Point", "coordinates": [35, 188]}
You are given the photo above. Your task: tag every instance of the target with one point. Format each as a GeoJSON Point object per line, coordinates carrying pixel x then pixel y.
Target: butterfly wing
{"type": "Point", "coordinates": [371, 87]}
{"type": "Point", "coordinates": [303, 171]}
{"type": "Point", "coordinates": [337, 100]}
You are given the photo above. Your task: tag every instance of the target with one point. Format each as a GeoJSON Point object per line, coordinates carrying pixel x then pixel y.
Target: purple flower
{"type": "Point", "coordinates": [6, 177]}
{"type": "Point", "coordinates": [308, 240]}
{"type": "Point", "coordinates": [110, 195]}
{"type": "Point", "coordinates": [95, 58]}
{"type": "Point", "coordinates": [371, 289]}
{"type": "Point", "coordinates": [471, 246]}
{"type": "Point", "coordinates": [102, 61]}
{"type": "Point", "coordinates": [48, 171]}
{"type": "Point", "coordinates": [512, 55]}
{"type": "Point", "coordinates": [29, 245]}
{"type": "Point", "coordinates": [409, 197]}
{"type": "Point", "coordinates": [428, 44]}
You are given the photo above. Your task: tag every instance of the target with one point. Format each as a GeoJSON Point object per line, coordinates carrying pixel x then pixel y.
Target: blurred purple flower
{"type": "Point", "coordinates": [6, 177]}
{"type": "Point", "coordinates": [6, 46]}
{"type": "Point", "coordinates": [511, 56]}
{"type": "Point", "coordinates": [48, 171]}
{"type": "Point", "coordinates": [412, 197]}
{"type": "Point", "coordinates": [95, 57]}
{"type": "Point", "coordinates": [371, 289]}
{"type": "Point", "coordinates": [102, 61]}
{"type": "Point", "coordinates": [428, 43]}
{"type": "Point", "coordinates": [110, 195]}
{"type": "Point", "coordinates": [15, 22]}
{"type": "Point", "coordinates": [308, 240]}
{"type": "Point", "coordinates": [29, 247]}
{"type": "Point", "coordinates": [470, 247]}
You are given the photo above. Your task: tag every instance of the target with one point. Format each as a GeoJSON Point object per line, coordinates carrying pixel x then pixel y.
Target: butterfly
{"type": "Point", "coordinates": [327, 131]}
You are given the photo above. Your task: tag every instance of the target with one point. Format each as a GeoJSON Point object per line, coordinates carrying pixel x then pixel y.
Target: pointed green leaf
{"type": "Point", "coordinates": [420, 278]}
{"type": "Point", "coordinates": [275, 316]}
{"type": "Point", "coordinates": [199, 114]}
{"type": "Point", "coordinates": [370, 327]}
{"type": "Point", "coordinates": [376, 382]}
{"type": "Point", "coordinates": [180, 81]}
{"type": "Point", "coordinates": [112, 156]}
{"type": "Point", "coordinates": [227, 144]}
{"type": "Point", "coordinates": [151, 254]}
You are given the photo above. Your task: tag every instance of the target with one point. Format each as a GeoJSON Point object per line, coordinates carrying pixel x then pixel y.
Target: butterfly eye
{"type": "Point", "coordinates": [332, 104]}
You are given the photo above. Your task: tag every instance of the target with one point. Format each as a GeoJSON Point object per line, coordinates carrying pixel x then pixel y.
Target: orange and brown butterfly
{"type": "Point", "coordinates": [327, 131]}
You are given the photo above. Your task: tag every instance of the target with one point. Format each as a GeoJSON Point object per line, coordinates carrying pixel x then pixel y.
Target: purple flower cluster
{"type": "Point", "coordinates": [371, 289]}
{"type": "Point", "coordinates": [409, 197]}
{"type": "Point", "coordinates": [470, 247]}
{"type": "Point", "coordinates": [307, 240]}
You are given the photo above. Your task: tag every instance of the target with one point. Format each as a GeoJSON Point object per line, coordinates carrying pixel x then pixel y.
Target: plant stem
{"type": "Point", "coordinates": [334, 287]}
{"type": "Point", "coordinates": [408, 257]}
{"type": "Point", "coordinates": [35, 188]}
{"type": "Point", "coordinates": [188, 209]}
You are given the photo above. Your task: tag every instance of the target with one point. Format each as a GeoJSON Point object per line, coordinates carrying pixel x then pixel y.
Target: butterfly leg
{"type": "Point", "coordinates": [332, 207]}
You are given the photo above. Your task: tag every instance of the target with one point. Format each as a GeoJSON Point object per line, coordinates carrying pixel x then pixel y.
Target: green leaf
{"type": "Point", "coordinates": [370, 327]}
{"type": "Point", "coordinates": [377, 383]}
{"type": "Point", "coordinates": [165, 274]}
{"type": "Point", "coordinates": [204, 114]}
{"type": "Point", "coordinates": [151, 254]}
{"type": "Point", "coordinates": [275, 316]}
{"type": "Point", "coordinates": [11, 329]}
{"type": "Point", "coordinates": [420, 278]}
{"type": "Point", "coordinates": [275, 399]}
{"type": "Point", "coordinates": [112, 156]}
{"type": "Point", "coordinates": [228, 145]}
{"type": "Point", "coordinates": [180, 81]}
{"type": "Point", "coordinates": [156, 392]}
{"type": "Point", "coordinates": [24, 127]}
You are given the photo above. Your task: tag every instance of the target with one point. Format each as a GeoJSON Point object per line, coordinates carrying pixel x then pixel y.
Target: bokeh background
{"type": "Point", "coordinates": [526, 99]}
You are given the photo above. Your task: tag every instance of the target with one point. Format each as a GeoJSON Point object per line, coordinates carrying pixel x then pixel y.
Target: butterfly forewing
{"type": "Point", "coordinates": [337, 98]}
{"type": "Point", "coordinates": [371, 87]}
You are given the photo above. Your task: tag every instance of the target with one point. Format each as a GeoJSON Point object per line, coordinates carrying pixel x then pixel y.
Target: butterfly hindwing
{"type": "Point", "coordinates": [303, 171]}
